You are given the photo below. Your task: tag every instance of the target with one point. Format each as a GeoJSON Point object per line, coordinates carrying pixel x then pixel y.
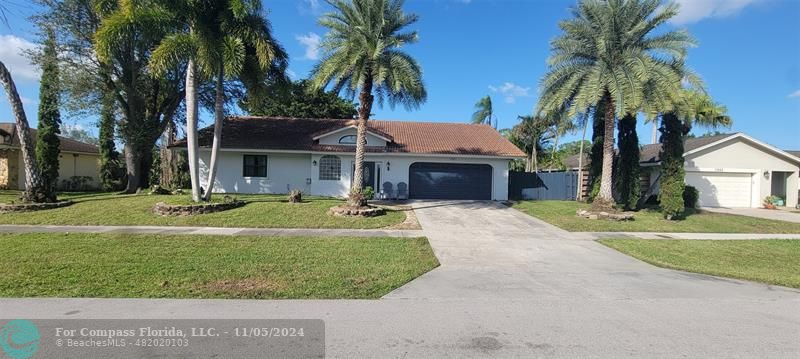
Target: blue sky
{"type": "Point", "coordinates": [748, 55]}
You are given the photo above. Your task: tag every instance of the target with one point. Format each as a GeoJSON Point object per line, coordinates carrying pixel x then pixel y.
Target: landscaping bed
{"type": "Point", "coordinates": [771, 261]}
{"type": "Point", "coordinates": [261, 211]}
{"type": "Point", "coordinates": [183, 266]}
{"type": "Point", "coordinates": [562, 214]}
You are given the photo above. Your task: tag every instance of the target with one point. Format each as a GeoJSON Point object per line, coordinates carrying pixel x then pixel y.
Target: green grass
{"type": "Point", "coordinates": [562, 214]}
{"type": "Point", "coordinates": [266, 211]}
{"type": "Point", "coordinates": [170, 266]}
{"type": "Point", "coordinates": [771, 261]}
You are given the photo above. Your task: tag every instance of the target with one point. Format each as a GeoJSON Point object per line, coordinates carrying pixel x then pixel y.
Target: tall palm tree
{"type": "Point", "coordinates": [362, 55]}
{"type": "Point", "coordinates": [609, 52]}
{"type": "Point", "coordinates": [532, 132]}
{"type": "Point", "coordinates": [483, 111]}
{"type": "Point", "coordinates": [560, 124]}
{"type": "Point", "coordinates": [34, 186]}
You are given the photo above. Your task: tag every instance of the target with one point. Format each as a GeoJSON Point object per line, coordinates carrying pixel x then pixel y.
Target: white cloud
{"type": "Point", "coordinates": [27, 100]}
{"type": "Point", "coordinates": [794, 94]}
{"type": "Point", "coordinates": [311, 42]}
{"type": "Point", "coordinates": [292, 74]}
{"type": "Point", "coordinates": [310, 7]}
{"type": "Point", "coordinates": [511, 91]}
{"type": "Point", "coordinates": [696, 10]}
{"type": "Point", "coordinates": [21, 68]}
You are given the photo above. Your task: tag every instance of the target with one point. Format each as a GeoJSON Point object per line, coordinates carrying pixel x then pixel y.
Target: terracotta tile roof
{"type": "Point", "coordinates": [67, 144]}
{"type": "Point", "coordinates": [277, 133]}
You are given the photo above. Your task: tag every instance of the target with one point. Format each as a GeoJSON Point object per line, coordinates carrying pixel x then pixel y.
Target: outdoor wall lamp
{"type": "Point", "coordinates": [314, 163]}
{"type": "Point", "coordinates": [387, 165]}
{"type": "Point", "coordinates": [766, 174]}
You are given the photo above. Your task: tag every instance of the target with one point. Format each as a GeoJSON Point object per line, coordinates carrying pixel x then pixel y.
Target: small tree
{"type": "Point", "coordinates": [109, 158]}
{"type": "Point", "coordinates": [47, 141]}
{"type": "Point", "coordinates": [672, 174]}
{"type": "Point", "coordinates": [628, 171]}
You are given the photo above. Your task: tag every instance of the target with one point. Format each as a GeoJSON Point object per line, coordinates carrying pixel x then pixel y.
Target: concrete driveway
{"type": "Point", "coordinates": [774, 214]}
{"type": "Point", "coordinates": [488, 250]}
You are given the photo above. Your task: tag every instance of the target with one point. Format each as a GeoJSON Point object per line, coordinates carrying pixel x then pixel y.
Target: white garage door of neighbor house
{"type": "Point", "coordinates": [719, 189]}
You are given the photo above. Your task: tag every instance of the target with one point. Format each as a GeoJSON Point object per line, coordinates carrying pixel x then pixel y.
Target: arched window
{"type": "Point", "coordinates": [330, 168]}
{"type": "Point", "coordinates": [348, 140]}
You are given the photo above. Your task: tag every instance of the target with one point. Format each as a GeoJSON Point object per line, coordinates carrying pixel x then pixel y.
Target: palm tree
{"type": "Point", "coordinates": [608, 52]}
{"type": "Point", "coordinates": [560, 124]}
{"type": "Point", "coordinates": [483, 111]}
{"type": "Point", "coordinates": [34, 186]}
{"type": "Point", "coordinates": [362, 55]}
{"type": "Point", "coordinates": [531, 132]}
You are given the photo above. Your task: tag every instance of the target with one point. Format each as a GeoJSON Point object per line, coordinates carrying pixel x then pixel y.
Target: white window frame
{"type": "Point", "coordinates": [329, 177]}
{"type": "Point", "coordinates": [266, 165]}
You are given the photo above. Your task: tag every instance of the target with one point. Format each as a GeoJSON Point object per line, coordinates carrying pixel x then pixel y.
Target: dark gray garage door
{"type": "Point", "coordinates": [450, 181]}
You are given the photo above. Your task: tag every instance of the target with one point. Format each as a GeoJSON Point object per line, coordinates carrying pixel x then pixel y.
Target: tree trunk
{"type": "Point", "coordinates": [218, 117]}
{"type": "Point", "coordinates": [191, 130]}
{"type": "Point", "coordinates": [654, 136]}
{"type": "Point", "coordinates": [579, 195]}
{"type": "Point", "coordinates": [34, 188]}
{"type": "Point", "coordinates": [364, 109]}
{"type": "Point", "coordinates": [553, 156]}
{"type": "Point", "coordinates": [132, 167]}
{"type": "Point", "coordinates": [535, 157]}
{"type": "Point", "coordinates": [605, 198]}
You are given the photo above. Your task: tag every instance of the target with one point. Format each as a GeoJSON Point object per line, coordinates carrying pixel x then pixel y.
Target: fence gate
{"type": "Point", "coordinates": [562, 186]}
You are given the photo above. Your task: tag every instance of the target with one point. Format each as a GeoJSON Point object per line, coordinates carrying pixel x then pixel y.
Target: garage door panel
{"type": "Point", "coordinates": [722, 189]}
{"type": "Point", "coordinates": [430, 180]}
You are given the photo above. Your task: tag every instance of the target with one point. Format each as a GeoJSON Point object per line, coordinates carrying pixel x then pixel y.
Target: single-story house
{"type": "Point", "coordinates": [434, 160]}
{"type": "Point", "coordinates": [79, 162]}
{"type": "Point", "coordinates": [729, 170]}
{"type": "Point", "coordinates": [796, 154]}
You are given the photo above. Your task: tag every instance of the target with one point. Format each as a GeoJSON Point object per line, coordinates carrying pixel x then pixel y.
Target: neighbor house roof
{"type": "Point", "coordinates": [650, 153]}
{"type": "Point", "coordinates": [67, 144]}
{"type": "Point", "coordinates": [279, 133]}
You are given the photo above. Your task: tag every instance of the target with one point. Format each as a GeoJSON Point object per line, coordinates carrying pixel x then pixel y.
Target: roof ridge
{"type": "Point", "coordinates": [246, 117]}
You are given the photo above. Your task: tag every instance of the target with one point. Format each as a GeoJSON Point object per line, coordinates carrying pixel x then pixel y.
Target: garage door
{"type": "Point", "coordinates": [722, 189]}
{"type": "Point", "coordinates": [450, 181]}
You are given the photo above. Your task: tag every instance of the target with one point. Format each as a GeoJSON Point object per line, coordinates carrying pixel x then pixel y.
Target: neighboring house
{"type": "Point", "coordinates": [78, 163]}
{"type": "Point", "coordinates": [731, 170]}
{"type": "Point", "coordinates": [435, 160]}
{"type": "Point", "coordinates": [796, 154]}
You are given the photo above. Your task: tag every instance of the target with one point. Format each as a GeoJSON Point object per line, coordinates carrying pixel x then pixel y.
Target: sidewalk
{"type": "Point", "coordinates": [213, 231]}
{"type": "Point", "coordinates": [698, 236]}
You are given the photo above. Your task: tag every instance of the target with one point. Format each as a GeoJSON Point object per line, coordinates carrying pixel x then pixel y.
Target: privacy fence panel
{"type": "Point", "coordinates": [561, 186]}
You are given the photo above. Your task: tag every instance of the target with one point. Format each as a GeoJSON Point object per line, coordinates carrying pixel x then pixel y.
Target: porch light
{"type": "Point", "coordinates": [387, 165]}
{"type": "Point", "coordinates": [766, 174]}
{"type": "Point", "coordinates": [314, 163]}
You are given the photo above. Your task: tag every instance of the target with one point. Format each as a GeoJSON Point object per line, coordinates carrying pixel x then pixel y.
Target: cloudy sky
{"type": "Point", "coordinates": [749, 57]}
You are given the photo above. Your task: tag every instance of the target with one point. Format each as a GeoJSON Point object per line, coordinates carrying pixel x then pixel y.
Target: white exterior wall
{"type": "Point", "coordinates": [285, 172]}
{"type": "Point", "coordinates": [290, 171]}
{"type": "Point", "coordinates": [69, 165]}
{"type": "Point", "coordinates": [739, 156]}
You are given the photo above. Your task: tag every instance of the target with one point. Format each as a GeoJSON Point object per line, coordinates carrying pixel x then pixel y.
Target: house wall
{"type": "Point", "coordinates": [69, 165]}
{"type": "Point", "coordinates": [333, 139]}
{"type": "Point", "coordinates": [291, 171]}
{"type": "Point", "coordinates": [740, 156]}
{"type": "Point", "coordinates": [285, 172]}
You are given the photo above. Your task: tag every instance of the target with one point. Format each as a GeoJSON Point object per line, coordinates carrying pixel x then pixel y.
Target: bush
{"type": "Point", "coordinates": [368, 193]}
{"type": "Point", "coordinates": [690, 197]}
{"type": "Point", "coordinates": [295, 196]}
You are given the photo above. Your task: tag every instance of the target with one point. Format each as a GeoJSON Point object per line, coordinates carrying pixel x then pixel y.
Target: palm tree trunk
{"type": "Point", "coordinates": [605, 198]}
{"type": "Point", "coordinates": [555, 149]}
{"type": "Point", "coordinates": [34, 188]}
{"type": "Point", "coordinates": [579, 195]}
{"type": "Point", "coordinates": [535, 157]}
{"type": "Point", "coordinates": [191, 130]}
{"type": "Point", "coordinates": [218, 116]}
{"type": "Point", "coordinates": [654, 136]}
{"type": "Point", "coordinates": [364, 109]}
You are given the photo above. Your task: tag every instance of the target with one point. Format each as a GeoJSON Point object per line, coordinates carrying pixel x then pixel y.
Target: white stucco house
{"type": "Point", "coordinates": [730, 170]}
{"type": "Point", "coordinates": [434, 160]}
{"type": "Point", "coordinates": [78, 163]}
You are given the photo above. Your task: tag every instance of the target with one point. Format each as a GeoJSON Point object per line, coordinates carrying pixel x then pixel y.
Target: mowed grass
{"type": "Point", "coordinates": [771, 261]}
{"type": "Point", "coordinates": [266, 211]}
{"type": "Point", "coordinates": [172, 266]}
{"type": "Point", "coordinates": [562, 214]}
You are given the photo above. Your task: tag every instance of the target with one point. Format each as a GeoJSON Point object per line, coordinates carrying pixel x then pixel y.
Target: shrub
{"type": "Point", "coordinates": [295, 196]}
{"type": "Point", "coordinates": [368, 193]}
{"type": "Point", "coordinates": [672, 172]}
{"type": "Point", "coordinates": [690, 197]}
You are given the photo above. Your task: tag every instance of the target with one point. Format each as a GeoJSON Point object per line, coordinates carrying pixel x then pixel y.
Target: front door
{"type": "Point", "coordinates": [369, 175]}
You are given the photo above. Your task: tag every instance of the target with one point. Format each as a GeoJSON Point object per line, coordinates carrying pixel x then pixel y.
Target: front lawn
{"type": "Point", "coordinates": [266, 211]}
{"type": "Point", "coordinates": [772, 261]}
{"type": "Point", "coordinates": [171, 266]}
{"type": "Point", "coordinates": [562, 214]}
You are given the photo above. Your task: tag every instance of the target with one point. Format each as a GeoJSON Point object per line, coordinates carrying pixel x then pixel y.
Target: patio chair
{"type": "Point", "coordinates": [402, 190]}
{"type": "Point", "coordinates": [387, 191]}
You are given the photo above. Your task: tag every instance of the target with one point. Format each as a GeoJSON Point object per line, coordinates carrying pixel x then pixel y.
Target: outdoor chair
{"type": "Point", "coordinates": [402, 190]}
{"type": "Point", "coordinates": [387, 192]}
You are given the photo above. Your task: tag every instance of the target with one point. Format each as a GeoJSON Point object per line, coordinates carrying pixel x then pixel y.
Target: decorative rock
{"type": "Point", "coordinates": [164, 209]}
{"type": "Point", "coordinates": [621, 216]}
{"type": "Point", "coordinates": [28, 207]}
{"type": "Point", "coordinates": [356, 211]}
